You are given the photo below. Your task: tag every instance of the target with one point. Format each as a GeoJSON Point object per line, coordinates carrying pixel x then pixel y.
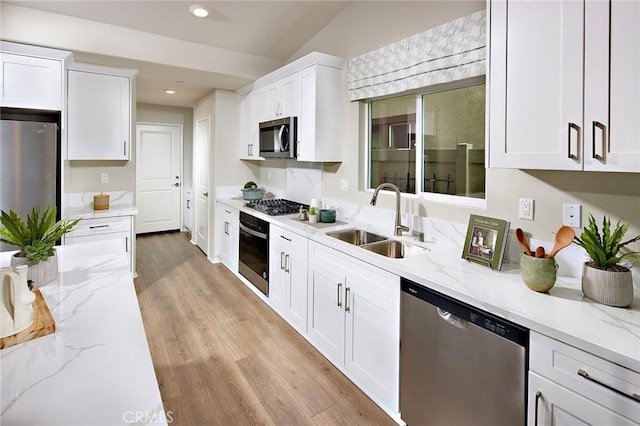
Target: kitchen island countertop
{"type": "Point", "coordinates": [96, 368]}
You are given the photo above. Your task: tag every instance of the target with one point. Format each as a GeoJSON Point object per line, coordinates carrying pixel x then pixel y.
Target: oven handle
{"type": "Point", "coordinates": [252, 232]}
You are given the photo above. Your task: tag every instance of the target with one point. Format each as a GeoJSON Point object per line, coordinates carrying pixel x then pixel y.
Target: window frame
{"type": "Point", "coordinates": [420, 194]}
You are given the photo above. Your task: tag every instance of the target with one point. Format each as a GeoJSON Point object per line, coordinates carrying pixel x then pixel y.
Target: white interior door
{"type": "Point", "coordinates": [201, 163]}
{"type": "Point", "coordinates": [159, 173]}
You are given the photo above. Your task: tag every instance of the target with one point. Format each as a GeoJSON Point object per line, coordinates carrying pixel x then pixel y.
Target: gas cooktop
{"type": "Point", "coordinates": [276, 206]}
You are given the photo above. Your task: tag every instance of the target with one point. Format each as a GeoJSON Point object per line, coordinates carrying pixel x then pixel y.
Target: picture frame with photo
{"type": "Point", "coordinates": [486, 241]}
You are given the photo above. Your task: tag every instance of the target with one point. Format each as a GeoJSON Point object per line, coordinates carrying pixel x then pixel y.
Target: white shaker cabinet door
{"type": "Point", "coordinates": [30, 82]}
{"type": "Point", "coordinates": [99, 107]}
{"type": "Point", "coordinates": [552, 404]}
{"type": "Point", "coordinates": [612, 86]}
{"type": "Point", "coordinates": [326, 308]}
{"type": "Point", "coordinates": [536, 84]}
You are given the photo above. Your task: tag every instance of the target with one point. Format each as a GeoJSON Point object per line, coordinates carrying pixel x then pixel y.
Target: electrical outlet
{"type": "Point", "coordinates": [525, 210]}
{"type": "Point", "coordinates": [104, 178]}
{"type": "Point", "coordinates": [571, 215]}
{"type": "Point", "coordinates": [344, 184]}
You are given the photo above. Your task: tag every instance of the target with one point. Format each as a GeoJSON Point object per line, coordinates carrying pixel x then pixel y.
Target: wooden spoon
{"type": "Point", "coordinates": [540, 251]}
{"type": "Point", "coordinates": [564, 237]}
{"type": "Point", "coordinates": [523, 241]}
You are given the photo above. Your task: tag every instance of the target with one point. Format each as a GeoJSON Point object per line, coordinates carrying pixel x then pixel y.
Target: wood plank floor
{"type": "Point", "coordinates": [223, 357]}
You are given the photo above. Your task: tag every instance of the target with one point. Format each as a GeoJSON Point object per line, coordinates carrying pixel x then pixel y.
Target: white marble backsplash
{"type": "Point", "coordinates": [304, 182]}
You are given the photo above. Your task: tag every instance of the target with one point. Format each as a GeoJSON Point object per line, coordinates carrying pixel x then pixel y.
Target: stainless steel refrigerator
{"type": "Point", "coordinates": [29, 163]}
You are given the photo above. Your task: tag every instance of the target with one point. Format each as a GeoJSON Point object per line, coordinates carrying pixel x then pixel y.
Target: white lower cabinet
{"type": "Point", "coordinates": [288, 276]}
{"type": "Point", "coordinates": [229, 230]}
{"type": "Point", "coordinates": [108, 228]}
{"type": "Point", "coordinates": [568, 386]}
{"type": "Point", "coordinates": [354, 320]}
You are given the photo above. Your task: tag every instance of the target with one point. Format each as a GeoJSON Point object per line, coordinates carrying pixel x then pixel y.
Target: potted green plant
{"type": "Point", "coordinates": [313, 215]}
{"type": "Point", "coordinates": [607, 277]}
{"type": "Point", "coordinates": [35, 240]}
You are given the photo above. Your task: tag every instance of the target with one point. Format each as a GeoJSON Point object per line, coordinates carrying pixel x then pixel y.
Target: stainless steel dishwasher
{"type": "Point", "coordinates": [459, 365]}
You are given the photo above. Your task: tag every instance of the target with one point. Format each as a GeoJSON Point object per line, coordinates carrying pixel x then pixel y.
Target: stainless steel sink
{"type": "Point", "coordinates": [357, 237]}
{"type": "Point", "coordinates": [395, 249]}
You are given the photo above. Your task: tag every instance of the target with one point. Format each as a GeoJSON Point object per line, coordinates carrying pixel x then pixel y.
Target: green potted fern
{"type": "Point", "coordinates": [35, 240]}
{"type": "Point", "coordinates": [607, 277]}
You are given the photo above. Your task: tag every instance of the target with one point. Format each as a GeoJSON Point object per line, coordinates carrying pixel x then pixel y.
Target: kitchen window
{"type": "Point", "coordinates": [446, 124]}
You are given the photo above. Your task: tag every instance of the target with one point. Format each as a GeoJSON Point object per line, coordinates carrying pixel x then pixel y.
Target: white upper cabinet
{"type": "Point", "coordinates": [310, 89]}
{"type": "Point", "coordinates": [249, 148]}
{"type": "Point", "coordinates": [282, 98]}
{"type": "Point", "coordinates": [320, 120]}
{"type": "Point", "coordinates": [32, 77]}
{"type": "Point", "coordinates": [99, 116]}
{"type": "Point", "coordinates": [554, 84]}
{"type": "Point", "coordinates": [612, 94]}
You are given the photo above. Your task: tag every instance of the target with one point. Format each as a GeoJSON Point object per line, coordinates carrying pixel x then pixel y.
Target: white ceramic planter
{"type": "Point", "coordinates": [40, 273]}
{"type": "Point", "coordinates": [607, 287]}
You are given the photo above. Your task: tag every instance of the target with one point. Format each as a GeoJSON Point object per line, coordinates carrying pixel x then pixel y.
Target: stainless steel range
{"type": "Point", "coordinates": [254, 239]}
{"type": "Point", "coordinates": [276, 206]}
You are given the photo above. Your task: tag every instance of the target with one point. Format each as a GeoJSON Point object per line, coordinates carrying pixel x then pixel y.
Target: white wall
{"type": "Point", "coordinates": [221, 107]}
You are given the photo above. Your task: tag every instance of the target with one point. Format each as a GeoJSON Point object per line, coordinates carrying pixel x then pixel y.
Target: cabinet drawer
{"type": "Point", "coordinates": [88, 227]}
{"type": "Point", "coordinates": [293, 240]}
{"type": "Point", "coordinates": [602, 381]}
{"type": "Point", "coordinates": [383, 283]}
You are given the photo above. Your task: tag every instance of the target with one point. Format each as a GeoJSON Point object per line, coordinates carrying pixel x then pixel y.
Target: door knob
{"type": "Point", "coordinates": [176, 184]}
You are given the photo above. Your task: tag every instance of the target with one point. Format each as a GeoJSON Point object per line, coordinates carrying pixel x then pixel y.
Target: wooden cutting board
{"type": "Point", "coordinates": [43, 324]}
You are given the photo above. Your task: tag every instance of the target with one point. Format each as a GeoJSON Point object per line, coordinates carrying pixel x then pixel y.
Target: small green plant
{"type": "Point", "coordinates": [36, 237]}
{"type": "Point", "coordinates": [604, 247]}
{"type": "Point", "coordinates": [313, 211]}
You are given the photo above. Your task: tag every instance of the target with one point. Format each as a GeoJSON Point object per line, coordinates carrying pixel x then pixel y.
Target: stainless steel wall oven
{"type": "Point", "coordinates": [254, 251]}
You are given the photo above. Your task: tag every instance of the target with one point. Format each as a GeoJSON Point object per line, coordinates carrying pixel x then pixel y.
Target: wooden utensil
{"type": "Point", "coordinates": [564, 237]}
{"type": "Point", "coordinates": [540, 251]}
{"type": "Point", "coordinates": [523, 241]}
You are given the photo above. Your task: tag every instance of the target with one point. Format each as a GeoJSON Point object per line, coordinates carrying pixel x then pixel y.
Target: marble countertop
{"type": "Point", "coordinates": [87, 212]}
{"type": "Point", "coordinates": [563, 313]}
{"type": "Point", "coordinates": [96, 369]}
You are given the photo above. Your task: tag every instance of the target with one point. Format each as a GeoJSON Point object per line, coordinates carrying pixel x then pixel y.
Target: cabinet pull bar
{"type": "Point", "coordinates": [286, 263]}
{"type": "Point", "coordinates": [603, 130]}
{"type": "Point", "coordinates": [124, 148]}
{"type": "Point", "coordinates": [346, 300]}
{"type": "Point", "coordinates": [339, 295]}
{"type": "Point", "coordinates": [535, 413]}
{"type": "Point", "coordinates": [98, 226]}
{"type": "Point", "coordinates": [288, 239]}
{"type": "Point", "coordinates": [282, 260]}
{"type": "Point", "coordinates": [583, 373]}
{"type": "Point", "coordinates": [573, 126]}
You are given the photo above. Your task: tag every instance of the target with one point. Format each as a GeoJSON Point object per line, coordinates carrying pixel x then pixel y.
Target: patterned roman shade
{"type": "Point", "coordinates": [452, 51]}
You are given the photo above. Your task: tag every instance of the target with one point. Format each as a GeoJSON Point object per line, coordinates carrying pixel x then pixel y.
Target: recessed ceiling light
{"type": "Point", "coordinates": [169, 92]}
{"type": "Point", "coordinates": [199, 11]}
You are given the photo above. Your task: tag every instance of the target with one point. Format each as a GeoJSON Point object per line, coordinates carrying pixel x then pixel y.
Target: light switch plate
{"type": "Point", "coordinates": [571, 215]}
{"type": "Point", "coordinates": [344, 184]}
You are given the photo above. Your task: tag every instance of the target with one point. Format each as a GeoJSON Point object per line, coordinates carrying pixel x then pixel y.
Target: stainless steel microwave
{"type": "Point", "coordinates": [278, 138]}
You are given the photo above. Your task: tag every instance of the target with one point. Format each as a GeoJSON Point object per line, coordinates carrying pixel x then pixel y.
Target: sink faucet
{"type": "Point", "coordinates": [399, 227]}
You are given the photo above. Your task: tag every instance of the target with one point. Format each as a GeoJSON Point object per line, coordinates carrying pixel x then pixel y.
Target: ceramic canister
{"type": "Point", "coordinates": [538, 273]}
